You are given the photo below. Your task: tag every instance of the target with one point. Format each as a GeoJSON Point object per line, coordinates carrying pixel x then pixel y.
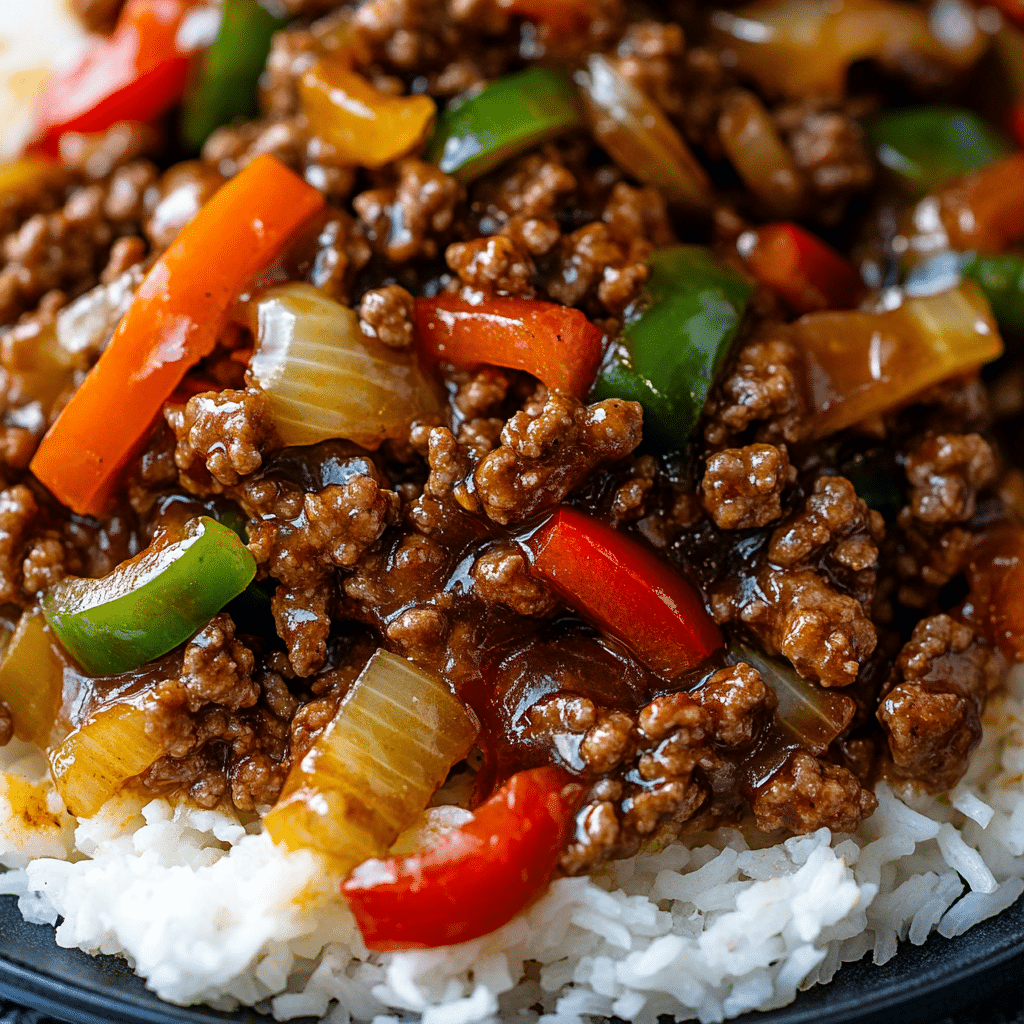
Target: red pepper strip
{"type": "Point", "coordinates": [802, 270]}
{"type": "Point", "coordinates": [572, 16]}
{"type": "Point", "coordinates": [135, 74]}
{"type": "Point", "coordinates": [1017, 123]}
{"type": "Point", "coordinates": [557, 344]}
{"type": "Point", "coordinates": [474, 879]}
{"type": "Point", "coordinates": [995, 604]}
{"type": "Point", "coordinates": [1013, 9]}
{"type": "Point", "coordinates": [173, 322]}
{"type": "Point", "coordinates": [624, 590]}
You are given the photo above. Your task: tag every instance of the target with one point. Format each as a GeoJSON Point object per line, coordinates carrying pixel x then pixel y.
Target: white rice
{"type": "Point", "coordinates": [208, 910]}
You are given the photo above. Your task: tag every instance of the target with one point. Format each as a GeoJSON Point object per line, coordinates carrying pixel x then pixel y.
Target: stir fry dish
{"type": "Point", "coordinates": [534, 434]}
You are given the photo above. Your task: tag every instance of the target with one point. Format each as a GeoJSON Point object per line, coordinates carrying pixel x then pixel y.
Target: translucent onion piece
{"type": "Point", "coordinates": [862, 364]}
{"type": "Point", "coordinates": [31, 680]}
{"type": "Point", "coordinates": [639, 137]}
{"type": "Point", "coordinates": [366, 127]}
{"type": "Point", "coordinates": [751, 142]}
{"type": "Point", "coordinates": [324, 378]}
{"type": "Point", "coordinates": [815, 715]}
{"type": "Point", "coordinates": [805, 47]}
{"type": "Point", "coordinates": [100, 756]}
{"type": "Point", "coordinates": [372, 771]}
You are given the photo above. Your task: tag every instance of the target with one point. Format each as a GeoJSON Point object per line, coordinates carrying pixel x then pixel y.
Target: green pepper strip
{"type": "Point", "coordinates": [674, 342]}
{"type": "Point", "coordinates": [151, 603]}
{"type": "Point", "coordinates": [510, 116]}
{"type": "Point", "coordinates": [925, 146]}
{"type": "Point", "coordinates": [225, 88]}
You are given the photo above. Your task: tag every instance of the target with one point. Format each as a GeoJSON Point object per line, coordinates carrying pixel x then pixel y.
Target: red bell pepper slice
{"type": "Point", "coordinates": [474, 879]}
{"type": "Point", "coordinates": [1013, 9]}
{"type": "Point", "coordinates": [135, 74]}
{"type": "Point", "coordinates": [173, 322]}
{"type": "Point", "coordinates": [802, 270]}
{"type": "Point", "coordinates": [568, 16]}
{"type": "Point", "coordinates": [624, 590]}
{"type": "Point", "coordinates": [557, 344]}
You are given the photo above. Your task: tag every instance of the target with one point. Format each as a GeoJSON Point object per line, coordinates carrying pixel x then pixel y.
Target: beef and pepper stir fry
{"type": "Point", "coordinates": [601, 406]}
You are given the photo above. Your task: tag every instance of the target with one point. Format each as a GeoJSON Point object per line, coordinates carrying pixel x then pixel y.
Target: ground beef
{"type": "Point", "coordinates": [493, 265]}
{"type": "Point", "coordinates": [411, 218]}
{"type": "Point", "coordinates": [217, 668]}
{"type": "Point", "coordinates": [946, 473]}
{"type": "Point", "coordinates": [652, 760]}
{"type": "Point", "coordinates": [224, 432]}
{"type": "Point", "coordinates": [342, 252]}
{"type": "Point", "coordinates": [18, 512]}
{"type": "Point", "coordinates": [501, 576]}
{"type": "Point", "coordinates": [98, 15]}
{"type": "Point", "coordinates": [742, 487]}
{"type": "Point", "coordinates": [387, 314]}
{"type": "Point", "coordinates": [932, 716]}
{"type": "Point", "coordinates": [761, 388]}
{"type": "Point", "coordinates": [6, 725]}
{"type": "Point", "coordinates": [548, 449]}
{"type": "Point", "coordinates": [176, 198]}
{"type": "Point", "coordinates": [808, 794]}
{"type": "Point", "coordinates": [737, 702]}
{"type": "Point", "coordinates": [302, 616]}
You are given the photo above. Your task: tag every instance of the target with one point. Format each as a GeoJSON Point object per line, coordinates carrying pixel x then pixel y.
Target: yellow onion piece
{"type": "Point", "coordinates": [98, 757]}
{"type": "Point", "coordinates": [805, 47]}
{"type": "Point", "coordinates": [639, 137]}
{"type": "Point", "coordinates": [752, 144]}
{"type": "Point", "coordinates": [862, 364]}
{"type": "Point", "coordinates": [31, 679]}
{"type": "Point", "coordinates": [324, 378]}
{"type": "Point", "coordinates": [366, 127]}
{"type": "Point", "coordinates": [370, 774]}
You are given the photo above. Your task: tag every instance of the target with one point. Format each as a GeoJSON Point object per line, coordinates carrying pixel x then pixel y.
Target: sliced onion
{"type": "Point", "coordinates": [371, 773]}
{"type": "Point", "coordinates": [324, 378]}
{"type": "Point", "coordinates": [100, 756]}
{"type": "Point", "coordinates": [752, 144]}
{"type": "Point", "coordinates": [31, 679]}
{"type": "Point", "coordinates": [805, 47]}
{"type": "Point", "coordinates": [815, 715]}
{"type": "Point", "coordinates": [639, 137]}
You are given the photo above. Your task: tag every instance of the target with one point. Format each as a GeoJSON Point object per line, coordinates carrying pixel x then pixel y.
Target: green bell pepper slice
{"type": "Point", "coordinates": [226, 86]}
{"type": "Point", "coordinates": [1000, 277]}
{"type": "Point", "coordinates": [674, 341]}
{"type": "Point", "coordinates": [511, 116]}
{"type": "Point", "coordinates": [151, 603]}
{"type": "Point", "coordinates": [925, 146]}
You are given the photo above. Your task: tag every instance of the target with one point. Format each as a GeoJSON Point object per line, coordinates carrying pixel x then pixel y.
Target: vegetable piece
{"type": "Point", "coordinates": [173, 322]}
{"type": "Point", "coordinates": [226, 85]}
{"type": "Point", "coordinates": [366, 127]}
{"type": "Point", "coordinates": [512, 115]}
{"type": "Point", "coordinates": [555, 343]}
{"type": "Point", "coordinates": [805, 47]}
{"type": "Point", "coordinates": [624, 590]}
{"type": "Point", "coordinates": [1001, 279]}
{"type": "Point", "coordinates": [863, 364]}
{"type": "Point", "coordinates": [100, 756]}
{"type": "Point", "coordinates": [22, 180]}
{"type": "Point", "coordinates": [31, 679]}
{"type": "Point", "coordinates": [815, 715]}
{"type": "Point", "coordinates": [925, 146]}
{"type": "Point", "coordinates": [638, 136]}
{"type": "Point", "coordinates": [1005, 101]}
{"type": "Point", "coordinates": [802, 270]}
{"type": "Point", "coordinates": [474, 879]}
{"type": "Point", "coordinates": [324, 378]}
{"type": "Point", "coordinates": [995, 576]}
{"type": "Point", "coordinates": [674, 341]}
{"type": "Point", "coordinates": [1013, 9]}
{"type": "Point", "coordinates": [151, 603]}
{"type": "Point", "coordinates": [754, 147]}
{"type": "Point", "coordinates": [374, 768]}
{"type": "Point", "coordinates": [135, 74]}
{"type": "Point", "coordinates": [562, 16]}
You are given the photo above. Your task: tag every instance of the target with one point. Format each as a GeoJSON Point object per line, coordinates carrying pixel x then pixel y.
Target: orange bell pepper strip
{"type": "Point", "coordinates": [135, 74]}
{"type": "Point", "coordinates": [476, 878]}
{"type": "Point", "coordinates": [173, 322]}
{"type": "Point", "coordinates": [557, 344]}
{"type": "Point", "coordinates": [802, 270]}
